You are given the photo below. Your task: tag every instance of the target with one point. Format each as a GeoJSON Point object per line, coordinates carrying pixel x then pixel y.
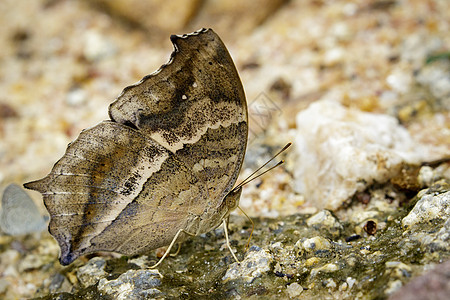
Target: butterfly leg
{"type": "Point", "coordinates": [225, 228]}
{"type": "Point", "coordinates": [170, 247]}
{"type": "Point", "coordinates": [178, 251]}
{"type": "Point", "coordinates": [253, 227]}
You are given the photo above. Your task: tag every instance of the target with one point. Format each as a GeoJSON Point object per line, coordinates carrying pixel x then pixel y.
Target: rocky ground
{"type": "Point", "coordinates": [360, 209]}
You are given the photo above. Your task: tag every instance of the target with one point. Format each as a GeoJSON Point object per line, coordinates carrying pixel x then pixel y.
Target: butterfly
{"type": "Point", "coordinates": [163, 167]}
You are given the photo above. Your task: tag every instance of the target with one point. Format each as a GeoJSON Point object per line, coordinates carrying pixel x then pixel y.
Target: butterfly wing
{"type": "Point", "coordinates": [172, 150]}
{"type": "Point", "coordinates": [111, 184]}
{"type": "Point", "coordinates": [194, 106]}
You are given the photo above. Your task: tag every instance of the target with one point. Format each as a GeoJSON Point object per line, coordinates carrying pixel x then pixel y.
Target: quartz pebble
{"type": "Point", "coordinates": [133, 284]}
{"type": "Point", "coordinates": [364, 148]}
{"type": "Point", "coordinates": [429, 207]}
{"type": "Point", "coordinates": [294, 290]}
{"type": "Point", "coordinates": [255, 263]}
{"type": "Point", "coordinates": [92, 272]}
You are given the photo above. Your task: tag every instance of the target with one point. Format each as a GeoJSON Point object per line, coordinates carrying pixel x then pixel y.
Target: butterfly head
{"type": "Point", "coordinates": [231, 200]}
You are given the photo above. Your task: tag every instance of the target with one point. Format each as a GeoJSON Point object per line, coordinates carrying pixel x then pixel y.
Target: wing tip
{"type": "Point", "coordinates": [68, 254]}
{"type": "Point", "coordinates": [37, 185]}
{"type": "Point", "coordinates": [67, 258]}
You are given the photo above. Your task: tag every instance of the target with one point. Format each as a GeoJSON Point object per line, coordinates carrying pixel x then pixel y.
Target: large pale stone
{"type": "Point", "coordinates": [340, 151]}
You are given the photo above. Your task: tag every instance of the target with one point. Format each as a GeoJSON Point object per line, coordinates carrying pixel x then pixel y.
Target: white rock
{"type": "Point", "coordinates": [255, 263]}
{"type": "Point", "coordinates": [294, 289]}
{"type": "Point", "coordinates": [400, 80]}
{"type": "Point", "coordinates": [92, 272]}
{"type": "Point", "coordinates": [96, 45]}
{"type": "Point", "coordinates": [76, 97]}
{"type": "Point", "coordinates": [350, 281]}
{"type": "Point", "coordinates": [426, 176]}
{"type": "Point", "coordinates": [328, 268]}
{"type": "Point", "coordinates": [133, 284]}
{"type": "Point", "coordinates": [443, 234]}
{"type": "Point", "coordinates": [398, 269]}
{"type": "Point", "coordinates": [141, 261]}
{"type": "Point", "coordinates": [429, 207]}
{"type": "Point", "coordinates": [276, 246]}
{"type": "Point", "coordinates": [340, 151]}
{"type": "Point", "coordinates": [436, 77]}
{"type": "Point", "coordinates": [343, 286]}
{"type": "Point", "coordinates": [393, 286]}
{"type": "Point", "coordinates": [31, 262]}
{"type": "Point", "coordinates": [331, 284]}
{"type": "Point", "coordinates": [316, 243]}
{"type": "Point", "coordinates": [334, 56]}
{"type": "Point", "coordinates": [323, 218]}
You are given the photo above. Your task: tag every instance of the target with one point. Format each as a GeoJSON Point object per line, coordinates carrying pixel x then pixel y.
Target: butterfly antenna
{"type": "Point", "coordinates": [251, 232]}
{"type": "Point", "coordinates": [254, 175]}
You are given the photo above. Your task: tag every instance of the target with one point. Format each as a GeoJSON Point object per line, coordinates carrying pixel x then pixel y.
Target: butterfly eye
{"type": "Point", "coordinates": [231, 200]}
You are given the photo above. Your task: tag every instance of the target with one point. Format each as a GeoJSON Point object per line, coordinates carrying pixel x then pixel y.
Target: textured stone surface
{"type": "Point", "coordinates": [255, 264]}
{"type": "Point", "coordinates": [133, 284]}
{"type": "Point", "coordinates": [429, 207]}
{"type": "Point", "coordinates": [290, 257]}
{"type": "Point", "coordinates": [92, 272]}
{"type": "Point", "coordinates": [348, 150]}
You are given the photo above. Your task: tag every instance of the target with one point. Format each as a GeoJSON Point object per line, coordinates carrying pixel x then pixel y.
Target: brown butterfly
{"type": "Point", "coordinates": [163, 167]}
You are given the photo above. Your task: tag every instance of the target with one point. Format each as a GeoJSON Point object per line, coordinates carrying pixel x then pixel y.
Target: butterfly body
{"type": "Point", "coordinates": [166, 161]}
